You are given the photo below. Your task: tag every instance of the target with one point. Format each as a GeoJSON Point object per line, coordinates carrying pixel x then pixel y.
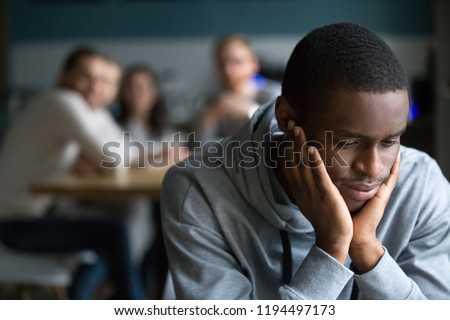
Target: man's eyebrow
{"type": "Point", "coordinates": [397, 134]}
{"type": "Point", "coordinates": [350, 134]}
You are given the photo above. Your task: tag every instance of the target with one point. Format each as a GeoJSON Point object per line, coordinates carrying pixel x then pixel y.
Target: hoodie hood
{"type": "Point", "coordinates": [252, 171]}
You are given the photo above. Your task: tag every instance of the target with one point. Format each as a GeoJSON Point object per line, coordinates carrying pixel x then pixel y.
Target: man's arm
{"type": "Point", "coordinates": [201, 263]}
{"type": "Point", "coordinates": [318, 199]}
{"type": "Point", "coordinates": [365, 248]}
{"type": "Point", "coordinates": [310, 187]}
{"type": "Point", "coordinates": [204, 265]}
{"type": "Point", "coordinates": [75, 121]}
{"type": "Point", "coordinates": [422, 269]}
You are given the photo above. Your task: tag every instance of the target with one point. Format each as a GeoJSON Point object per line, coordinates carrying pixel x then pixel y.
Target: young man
{"type": "Point", "coordinates": [315, 198]}
{"type": "Point", "coordinates": [56, 128]}
{"type": "Point", "coordinates": [60, 130]}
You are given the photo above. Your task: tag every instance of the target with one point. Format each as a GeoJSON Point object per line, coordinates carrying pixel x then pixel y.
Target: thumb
{"type": "Point", "coordinates": [379, 201]}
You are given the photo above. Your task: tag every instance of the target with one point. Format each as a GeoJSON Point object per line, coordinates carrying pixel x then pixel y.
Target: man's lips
{"type": "Point", "coordinates": [359, 192]}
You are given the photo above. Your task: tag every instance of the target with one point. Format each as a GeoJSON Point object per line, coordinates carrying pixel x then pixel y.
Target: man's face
{"type": "Point", "coordinates": [95, 78]}
{"type": "Point", "coordinates": [111, 81]}
{"type": "Point", "coordinates": [236, 65]}
{"type": "Point", "coordinates": [364, 129]}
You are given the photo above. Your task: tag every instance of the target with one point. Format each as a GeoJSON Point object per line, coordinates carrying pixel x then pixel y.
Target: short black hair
{"type": "Point", "coordinates": [340, 56]}
{"type": "Point", "coordinates": [77, 54]}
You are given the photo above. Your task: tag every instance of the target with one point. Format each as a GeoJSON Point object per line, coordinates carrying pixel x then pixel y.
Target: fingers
{"type": "Point", "coordinates": [291, 157]}
{"type": "Point", "coordinates": [393, 176]}
{"type": "Point", "coordinates": [318, 170]}
{"type": "Point", "coordinates": [291, 161]}
{"type": "Point", "coordinates": [388, 186]}
{"type": "Point", "coordinates": [371, 214]}
{"type": "Point", "coordinates": [309, 168]}
{"type": "Point", "coordinates": [296, 172]}
{"type": "Point", "coordinates": [379, 201]}
{"type": "Point", "coordinates": [300, 144]}
{"type": "Point", "coordinates": [301, 154]}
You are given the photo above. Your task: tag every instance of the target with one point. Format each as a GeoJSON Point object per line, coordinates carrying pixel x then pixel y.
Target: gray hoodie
{"type": "Point", "coordinates": [223, 210]}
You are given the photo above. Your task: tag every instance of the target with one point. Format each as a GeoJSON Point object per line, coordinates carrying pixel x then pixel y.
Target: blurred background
{"type": "Point", "coordinates": [176, 38]}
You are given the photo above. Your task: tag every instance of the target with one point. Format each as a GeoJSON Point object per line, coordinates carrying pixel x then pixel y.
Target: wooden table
{"type": "Point", "coordinates": [133, 182]}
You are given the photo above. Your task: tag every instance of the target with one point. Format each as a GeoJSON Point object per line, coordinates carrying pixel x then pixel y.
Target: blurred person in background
{"type": "Point", "coordinates": [61, 130]}
{"type": "Point", "coordinates": [142, 115]}
{"type": "Point", "coordinates": [142, 110]}
{"type": "Point", "coordinates": [104, 94]}
{"type": "Point", "coordinates": [243, 90]}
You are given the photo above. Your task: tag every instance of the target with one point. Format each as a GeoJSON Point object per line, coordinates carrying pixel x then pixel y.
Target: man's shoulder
{"type": "Point", "coordinates": [58, 94]}
{"type": "Point", "coordinates": [193, 184]}
{"type": "Point", "coordinates": [418, 171]}
{"type": "Point", "coordinates": [71, 97]}
{"type": "Point", "coordinates": [56, 98]}
{"type": "Point", "coordinates": [198, 166]}
{"type": "Point", "coordinates": [413, 159]}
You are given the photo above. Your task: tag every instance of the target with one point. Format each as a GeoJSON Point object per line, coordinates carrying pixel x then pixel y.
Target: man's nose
{"type": "Point", "coordinates": [96, 85]}
{"type": "Point", "coordinates": [368, 162]}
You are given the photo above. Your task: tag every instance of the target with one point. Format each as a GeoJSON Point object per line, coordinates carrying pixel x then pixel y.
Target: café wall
{"type": "Point", "coordinates": [175, 36]}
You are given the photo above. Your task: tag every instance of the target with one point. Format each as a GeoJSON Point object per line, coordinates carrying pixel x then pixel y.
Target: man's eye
{"type": "Point", "coordinates": [389, 143]}
{"type": "Point", "coordinates": [345, 143]}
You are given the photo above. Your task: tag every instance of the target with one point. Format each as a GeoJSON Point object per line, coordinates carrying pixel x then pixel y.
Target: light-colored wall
{"type": "Point", "coordinates": [36, 64]}
{"type": "Point", "coordinates": [175, 37]}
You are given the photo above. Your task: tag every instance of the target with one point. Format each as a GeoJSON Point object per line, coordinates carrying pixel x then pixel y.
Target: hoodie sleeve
{"type": "Point", "coordinates": [422, 270]}
{"type": "Point", "coordinates": [204, 266]}
{"type": "Point", "coordinates": [388, 281]}
{"type": "Point", "coordinates": [320, 276]}
{"type": "Point", "coordinates": [201, 264]}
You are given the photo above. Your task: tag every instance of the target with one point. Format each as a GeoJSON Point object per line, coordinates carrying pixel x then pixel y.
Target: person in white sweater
{"type": "Point", "coordinates": [60, 130]}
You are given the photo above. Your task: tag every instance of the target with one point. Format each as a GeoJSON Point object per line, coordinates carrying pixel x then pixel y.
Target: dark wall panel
{"type": "Point", "coordinates": [64, 19]}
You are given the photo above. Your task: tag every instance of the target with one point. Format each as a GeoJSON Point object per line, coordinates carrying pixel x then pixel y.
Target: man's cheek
{"type": "Point", "coordinates": [388, 161]}
{"type": "Point", "coordinates": [337, 158]}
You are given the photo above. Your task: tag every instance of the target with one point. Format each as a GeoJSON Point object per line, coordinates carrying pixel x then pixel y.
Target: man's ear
{"type": "Point", "coordinates": [283, 113]}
